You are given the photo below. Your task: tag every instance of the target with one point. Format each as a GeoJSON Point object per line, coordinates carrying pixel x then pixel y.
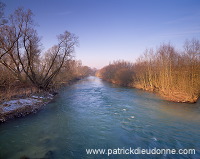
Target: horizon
{"type": "Point", "coordinates": [113, 30]}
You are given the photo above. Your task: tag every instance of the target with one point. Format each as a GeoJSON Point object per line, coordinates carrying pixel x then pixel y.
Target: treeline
{"type": "Point", "coordinates": [174, 74]}
{"type": "Point", "coordinates": [23, 63]}
{"type": "Point", "coordinates": [118, 72]}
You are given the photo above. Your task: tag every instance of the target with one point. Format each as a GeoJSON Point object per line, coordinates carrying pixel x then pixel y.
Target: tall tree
{"type": "Point", "coordinates": [19, 44]}
{"type": "Point", "coordinates": [20, 51]}
{"type": "Point", "coordinates": [55, 58]}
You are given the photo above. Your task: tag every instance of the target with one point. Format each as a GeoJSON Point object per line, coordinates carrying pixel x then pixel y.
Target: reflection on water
{"type": "Point", "coordinates": [96, 114]}
{"type": "Point", "coordinates": [189, 112]}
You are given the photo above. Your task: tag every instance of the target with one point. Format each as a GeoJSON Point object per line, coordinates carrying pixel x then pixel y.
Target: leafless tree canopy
{"type": "Point", "coordinates": [173, 74]}
{"type": "Point", "coordinates": [21, 57]}
{"type": "Point", "coordinates": [2, 18]}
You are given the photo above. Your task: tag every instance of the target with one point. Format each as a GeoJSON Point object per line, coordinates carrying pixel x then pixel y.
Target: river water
{"type": "Point", "coordinates": [93, 114]}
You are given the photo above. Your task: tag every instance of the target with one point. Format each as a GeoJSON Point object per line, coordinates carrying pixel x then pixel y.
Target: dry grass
{"type": "Point", "coordinates": [16, 92]}
{"type": "Point", "coordinates": [181, 97]}
{"type": "Point", "coordinates": [172, 95]}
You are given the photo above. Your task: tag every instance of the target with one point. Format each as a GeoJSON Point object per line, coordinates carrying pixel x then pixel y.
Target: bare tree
{"type": "Point", "coordinates": [55, 58]}
{"type": "Point", "coordinates": [171, 73]}
{"type": "Point", "coordinates": [19, 44]}
{"type": "Point", "coordinates": [2, 18]}
{"type": "Point", "coordinates": [20, 51]}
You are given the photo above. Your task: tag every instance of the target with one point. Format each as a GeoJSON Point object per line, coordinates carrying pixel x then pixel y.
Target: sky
{"type": "Point", "coordinates": [111, 30]}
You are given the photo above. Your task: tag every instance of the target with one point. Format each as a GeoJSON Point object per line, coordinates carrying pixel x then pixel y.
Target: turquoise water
{"type": "Point", "coordinates": [93, 114]}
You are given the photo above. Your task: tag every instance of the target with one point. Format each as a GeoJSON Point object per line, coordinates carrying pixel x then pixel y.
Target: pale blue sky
{"type": "Point", "coordinates": [114, 29]}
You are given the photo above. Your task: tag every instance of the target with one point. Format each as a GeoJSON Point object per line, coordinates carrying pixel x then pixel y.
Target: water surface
{"type": "Point", "coordinates": [95, 114]}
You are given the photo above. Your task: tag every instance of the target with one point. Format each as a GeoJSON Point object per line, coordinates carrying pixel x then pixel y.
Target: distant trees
{"type": "Point", "coordinates": [21, 58]}
{"type": "Point", "coordinates": [173, 74]}
{"type": "Point", "coordinates": [119, 72]}
{"type": "Point", "coordinates": [71, 70]}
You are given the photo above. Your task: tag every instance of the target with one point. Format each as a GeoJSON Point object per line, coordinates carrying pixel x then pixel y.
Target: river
{"type": "Point", "coordinates": [93, 114]}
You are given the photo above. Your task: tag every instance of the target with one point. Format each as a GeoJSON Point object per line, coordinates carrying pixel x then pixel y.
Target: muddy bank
{"type": "Point", "coordinates": [23, 106]}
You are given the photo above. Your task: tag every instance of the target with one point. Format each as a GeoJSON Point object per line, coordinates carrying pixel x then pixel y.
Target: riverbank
{"type": "Point", "coordinates": [23, 104]}
{"type": "Point", "coordinates": [173, 96]}
{"type": "Point", "coordinates": [19, 107]}
{"type": "Point", "coordinates": [93, 111]}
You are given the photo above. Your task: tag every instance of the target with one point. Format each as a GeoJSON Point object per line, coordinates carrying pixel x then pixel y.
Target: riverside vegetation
{"type": "Point", "coordinates": [173, 74]}
{"type": "Point", "coordinates": [24, 67]}
{"type": "Point", "coordinates": [29, 77]}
